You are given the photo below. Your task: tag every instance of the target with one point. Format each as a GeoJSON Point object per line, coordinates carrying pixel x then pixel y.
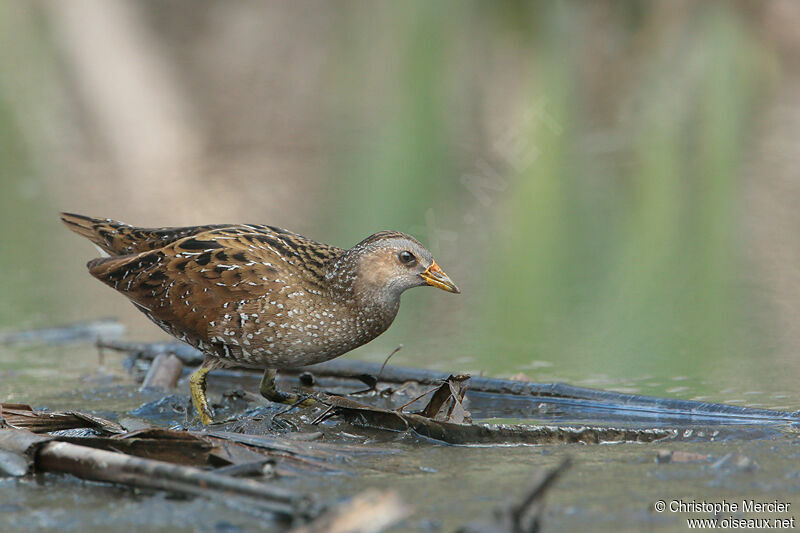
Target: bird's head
{"type": "Point", "coordinates": [388, 263]}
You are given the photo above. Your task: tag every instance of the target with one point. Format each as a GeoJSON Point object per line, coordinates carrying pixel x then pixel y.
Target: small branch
{"type": "Point", "coordinates": [103, 465]}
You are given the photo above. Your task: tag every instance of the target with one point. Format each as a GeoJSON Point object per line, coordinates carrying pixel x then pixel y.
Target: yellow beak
{"type": "Point", "coordinates": [435, 277]}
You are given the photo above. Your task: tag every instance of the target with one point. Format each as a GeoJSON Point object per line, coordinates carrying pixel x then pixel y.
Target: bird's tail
{"type": "Point", "coordinates": [104, 233]}
{"type": "Point", "coordinates": [117, 238]}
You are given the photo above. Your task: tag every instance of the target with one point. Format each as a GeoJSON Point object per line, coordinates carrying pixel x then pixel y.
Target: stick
{"type": "Point", "coordinates": [164, 372]}
{"type": "Point", "coordinates": [101, 465]}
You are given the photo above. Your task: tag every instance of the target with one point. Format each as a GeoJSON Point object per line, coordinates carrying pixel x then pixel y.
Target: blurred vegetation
{"type": "Point", "coordinates": [628, 267]}
{"type": "Point", "coordinates": [644, 273]}
{"type": "Point", "coordinates": [577, 167]}
{"type": "Point", "coordinates": [25, 261]}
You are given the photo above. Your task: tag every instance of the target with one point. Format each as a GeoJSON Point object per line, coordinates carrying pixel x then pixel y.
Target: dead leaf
{"type": "Point", "coordinates": [23, 416]}
{"type": "Point", "coordinates": [449, 396]}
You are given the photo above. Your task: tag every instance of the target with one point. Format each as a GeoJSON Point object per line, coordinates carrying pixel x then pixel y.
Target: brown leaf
{"type": "Point", "coordinates": [23, 416]}
{"type": "Point", "coordinates": [446, 397]}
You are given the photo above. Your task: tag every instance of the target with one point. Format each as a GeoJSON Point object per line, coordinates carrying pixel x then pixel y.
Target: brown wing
{"type": "Point", "coordinates": [118, 238]}
{"type": "Point", "coordinates": [197, 286]}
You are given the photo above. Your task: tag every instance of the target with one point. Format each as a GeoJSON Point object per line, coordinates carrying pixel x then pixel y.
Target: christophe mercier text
{"type": "Point", "coordinates": [725, 506]}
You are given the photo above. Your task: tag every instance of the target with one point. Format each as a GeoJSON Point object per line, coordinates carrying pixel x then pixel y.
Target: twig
{"type": "Point", "coordinates": [101, 465]}
{"type": "Point", "coordinates": [244, 469]}
{"type": "Point", "coordinates": [326, 414]}
{"type": "Point", "coordinates": [400, 409]}
{"type": "Point", "coordinates": [383, 366]}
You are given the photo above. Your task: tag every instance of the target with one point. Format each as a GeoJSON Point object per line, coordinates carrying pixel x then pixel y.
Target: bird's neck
{"type": "Point", "coordinates": [356, 290]}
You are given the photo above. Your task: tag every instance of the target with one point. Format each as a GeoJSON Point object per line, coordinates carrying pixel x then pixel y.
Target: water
{"type": "Point", "coordinates": [447, 485]}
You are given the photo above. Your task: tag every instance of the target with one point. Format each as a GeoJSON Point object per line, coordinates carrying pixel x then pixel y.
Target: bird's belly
{"type": "Point", "coordinates": [288, 337]}
{"type": "Point", "coordinates": [287, 347]}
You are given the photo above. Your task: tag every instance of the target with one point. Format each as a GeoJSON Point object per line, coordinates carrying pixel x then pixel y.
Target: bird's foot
{"type": "Point", "coordinates": [205, 413]}
{"type": "Point", "coordinates": [270, 392]}
{"type": "Point", "coordinates": [289, 398]}
{"type": "Point", "coordinates": [298, 399]}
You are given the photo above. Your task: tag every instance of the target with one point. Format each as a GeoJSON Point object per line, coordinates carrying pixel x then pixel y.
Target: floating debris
{"type": "Point", "coordinates": [537, 396]}
{"type": "Point", "coordinates": [635, 407]}
{"type": "Point", "coordinates": [363, 415]}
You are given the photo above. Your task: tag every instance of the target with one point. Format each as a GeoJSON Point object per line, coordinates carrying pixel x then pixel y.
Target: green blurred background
{"type": "Point", "coordinates": [613, 185]}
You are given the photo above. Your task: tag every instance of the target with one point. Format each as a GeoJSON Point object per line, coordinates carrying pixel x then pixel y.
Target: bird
{"type": "Point", "coordinates": [258, 296]}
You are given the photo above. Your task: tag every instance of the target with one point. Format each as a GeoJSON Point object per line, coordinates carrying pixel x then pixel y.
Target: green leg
{"type": "Point", "coordinates": [271, 393]}
{"type": "Point", "coordinates": [197, 386]}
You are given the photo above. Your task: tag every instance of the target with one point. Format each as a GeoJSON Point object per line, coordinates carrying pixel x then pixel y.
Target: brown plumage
{"type": "Point", "coordinates": [259, 296]}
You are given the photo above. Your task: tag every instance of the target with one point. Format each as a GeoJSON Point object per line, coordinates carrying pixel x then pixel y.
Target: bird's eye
{"type": "Point", "coordinates": [407, 258]}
